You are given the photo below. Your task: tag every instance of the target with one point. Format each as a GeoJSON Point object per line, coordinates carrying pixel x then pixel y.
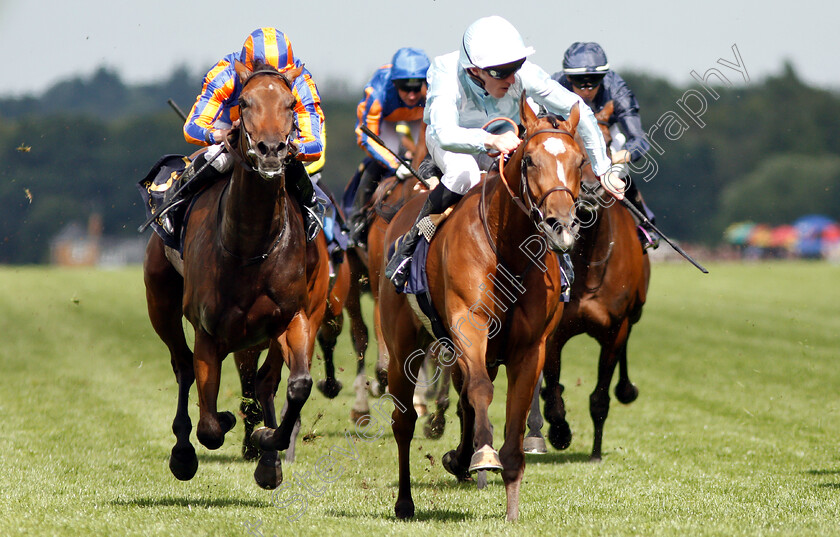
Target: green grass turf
{"type": "Point", "coordinates": [736, 430]}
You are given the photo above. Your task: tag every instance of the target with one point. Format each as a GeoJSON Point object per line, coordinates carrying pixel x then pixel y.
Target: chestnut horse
{"type": "Point", "coordinates": [499, 294]}
{"type": "Point", "coordinates": [247, 276]}
{"type": "Point", "coordinates": [612, 274]}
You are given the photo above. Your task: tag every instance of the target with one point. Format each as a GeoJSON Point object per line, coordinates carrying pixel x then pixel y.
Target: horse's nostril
{"type": "Point", "coordinates": [262, 148]}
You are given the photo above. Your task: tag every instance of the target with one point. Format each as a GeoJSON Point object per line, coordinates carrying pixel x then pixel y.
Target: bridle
{"type": "Point", "coordinates": [246, 155]}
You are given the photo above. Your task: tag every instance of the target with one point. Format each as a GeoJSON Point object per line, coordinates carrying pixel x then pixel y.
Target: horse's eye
{"type": "Point", "coordinates": [527, 161]}
{"type": "Point", "coordinates": [243, 104]}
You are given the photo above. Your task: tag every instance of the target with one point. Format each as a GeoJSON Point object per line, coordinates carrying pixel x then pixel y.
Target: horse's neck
{"type": "Point", "coordinates": [509, 225]}
{"type": "Point", "coordinates": [253, 214]}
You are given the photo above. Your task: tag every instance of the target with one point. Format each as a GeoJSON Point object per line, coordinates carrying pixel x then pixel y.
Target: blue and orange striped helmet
{"type": "Point", "coordinates": [269, 45]}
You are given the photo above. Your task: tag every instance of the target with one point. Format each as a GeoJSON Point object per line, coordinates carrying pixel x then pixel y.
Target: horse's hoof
{"type": "Point", "coordinates": [560, 435]}
{"type": "Point", "coordinates": [356, 415]}
{"type": "Point", "coordinates": [626, 392]}
{"type": "Point", "coordinates": [404, 509]}
{"type": "Point", "coordinates": [485, 458]}
{"type": "Point", "coordinates": [226, 421]}
{"type": "Point", "coordinates": [269, 471]}
{"type": "Point", "coordinates": [435, 426]}
{"type": "Point", "coordinates": [213, 438]}
{"type": "Point", "coordinates": [329, 387]}
{"type": "Point", "coordinates": [481, 479]}
{"type": "Point", "coordinates": [450, 464]}
{"type": "Point", "coordinates": [595, 459]}
{"type": "Point", "coordinates": [534, 445]}
{"type": "Point", "coordinates": [183, 463]}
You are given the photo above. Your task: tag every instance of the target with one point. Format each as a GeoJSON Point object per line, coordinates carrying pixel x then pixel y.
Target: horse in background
{"type": "Point", "coordinates": [612, 275]}
{"type": "Point", "coordinates": [469, 262]}
{"type": "Point", "coordinates": [247, 275]}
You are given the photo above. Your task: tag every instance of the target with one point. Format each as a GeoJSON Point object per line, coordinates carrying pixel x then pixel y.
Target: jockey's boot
{"type": "Point", "coordinates": [399, 266]}
{"type": "Point", "coordinates": [647, 235]}
{"type": "Point", "coordinates": [300, 186]}
{"type": "Point", "coordinates": [371, 175]}
{"type": "Point", "coordinates": [189, 183]}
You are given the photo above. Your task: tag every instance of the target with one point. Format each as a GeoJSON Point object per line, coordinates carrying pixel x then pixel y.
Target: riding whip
{"type": "Point", "coordinates": [379, 141]}
{"type": "Point", "coordinates": [638, 214]}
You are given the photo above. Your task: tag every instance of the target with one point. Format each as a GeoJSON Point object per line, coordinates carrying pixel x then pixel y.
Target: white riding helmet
{"type": "Point", "coordinates": [491, 41]}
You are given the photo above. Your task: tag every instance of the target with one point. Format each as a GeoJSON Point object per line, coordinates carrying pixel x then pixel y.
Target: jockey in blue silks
{"type": "Point", "coordinates": [587, 72]}
{"type": "Point", "coordinates": [395, 94]}
{"type": "Point", "coordinates": [467, 88]}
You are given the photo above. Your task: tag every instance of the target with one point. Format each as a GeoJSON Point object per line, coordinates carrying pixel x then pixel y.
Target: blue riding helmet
{"type": "Point", "coordinates": [409, 63]}
{"type": "Point", "coordinates": [270, 46]}
{"type": "Point", "coordinates": [585, 59]}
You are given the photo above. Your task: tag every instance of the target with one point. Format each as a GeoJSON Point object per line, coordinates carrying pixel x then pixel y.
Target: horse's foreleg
{"type": "Point", "coordinates": [249, 408]}
{"type": "Point", "coordinates": [522, 380]}
{"type": "Point", "coordinates": [599, 400]}
{"type": "Point", "coordinates": [207, 362]}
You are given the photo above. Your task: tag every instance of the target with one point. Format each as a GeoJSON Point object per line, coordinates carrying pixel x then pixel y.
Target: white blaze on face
{"type": "Point", "coordinates": [271, 87]}
{"type": "Point", "coordinates": [555, 147]}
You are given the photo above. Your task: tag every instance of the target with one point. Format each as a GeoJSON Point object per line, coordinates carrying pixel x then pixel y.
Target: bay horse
{"type": "Point", "coordinates": [247, 276]}
{"type": "Point", "coordinates": [612, 275]}
{"type": "Point", "coordinates": [500, 303]}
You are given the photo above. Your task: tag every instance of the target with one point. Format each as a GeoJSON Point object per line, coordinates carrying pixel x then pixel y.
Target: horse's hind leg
{"type": "Point", "coordinates": [625, 391]}
{"type": "Point", "coordinates": [207, 360]}
{"type": "Point", "coordinates": [436, 423]}
{"type": "Point", "coordinates": [164, 295]}
{"type": "Point", "coordinates": [297, 351]}
{"type": "Point", "coordinates": [252, 414]}
{"type": "Point", "coordinates": [359, 335]}
{"type": "Point", "coordinates": [599, 400]}
{"type": "Point", "coordinates": [559, 432]}
{"type": "Point", "coordinates": [269, 471]}
{"type": "Point", "coordinates": [534, 441]}
{"type": "Point", "coordinates": [327, 338]}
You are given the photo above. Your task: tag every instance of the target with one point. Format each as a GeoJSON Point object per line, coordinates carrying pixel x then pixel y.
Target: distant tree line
{"type": "Point", "coordinates": [767, 151]}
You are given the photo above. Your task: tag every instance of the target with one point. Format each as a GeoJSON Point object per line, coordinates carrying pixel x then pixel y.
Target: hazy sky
{"type": "Point", "coordinates": [44, 42]}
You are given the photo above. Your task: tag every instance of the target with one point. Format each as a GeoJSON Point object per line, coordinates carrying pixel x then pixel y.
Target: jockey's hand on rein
{"type": "Point", "coordinates": [506, 142]}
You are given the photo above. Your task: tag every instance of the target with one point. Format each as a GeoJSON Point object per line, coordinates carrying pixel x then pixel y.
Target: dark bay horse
{"type": "Point", "coordinates": [247, 276]}
{"type": "Point", "coordinates": [612, 274]}
{"type": "Point", "coordinates": [494, 283]}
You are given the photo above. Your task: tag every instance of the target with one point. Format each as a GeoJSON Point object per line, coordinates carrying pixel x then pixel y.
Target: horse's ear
{"type": "Point", "coordinates": [526, 113]}
{"type": "Point", "coordinates": [574, 117]}
{"type": "Point", "coordinates": [293, 73]}
{"type": "Point", "coordinates": [606, 111]}
{"type": "Point", "coordinates": [242, 71]}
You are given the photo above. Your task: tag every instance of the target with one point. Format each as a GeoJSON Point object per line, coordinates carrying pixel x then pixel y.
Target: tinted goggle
{"type": "Point", "coordinates": [586, 82]}
{"type": "Point", "coordinates": [500, 72]}
{"type": "Point", "coordinates": [410, 84]}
